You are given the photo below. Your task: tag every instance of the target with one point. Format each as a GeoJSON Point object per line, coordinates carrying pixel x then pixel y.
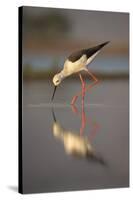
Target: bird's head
{"type": "Point", "coordinates": [57, 79]}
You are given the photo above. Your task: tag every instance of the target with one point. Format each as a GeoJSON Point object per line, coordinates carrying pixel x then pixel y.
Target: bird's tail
{"type": "Point", "coordinates": [103, 44]}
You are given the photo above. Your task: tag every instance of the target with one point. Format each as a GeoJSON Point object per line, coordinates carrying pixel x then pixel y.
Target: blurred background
{"type": "Point", "coordinates": [52, 34]}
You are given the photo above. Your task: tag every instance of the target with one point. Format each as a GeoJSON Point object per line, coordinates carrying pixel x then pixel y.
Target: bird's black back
{"type": "Point", "coordinates": [88, 52]}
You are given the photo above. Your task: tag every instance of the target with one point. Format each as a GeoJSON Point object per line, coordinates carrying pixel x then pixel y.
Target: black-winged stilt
{"type": "Point", "coordinates": [76, 63]}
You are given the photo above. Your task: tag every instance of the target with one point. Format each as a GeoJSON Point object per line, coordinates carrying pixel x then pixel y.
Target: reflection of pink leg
{"type": "Point", "coordinates": [83, 119]}
{"type": "Point", "coordinates": [74, 109]}
{"type": "Point", "coordinates": [83, 111]}
{"type": "Point", "coordinates": [93, 131]}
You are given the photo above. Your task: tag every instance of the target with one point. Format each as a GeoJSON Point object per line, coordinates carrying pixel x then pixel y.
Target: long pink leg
{"type": "Point", "coordinates": [95, 81]}
{"type": "Point", "coordinates": [82, 92]}
{"type": "Point", "coordinates": [83, 88]}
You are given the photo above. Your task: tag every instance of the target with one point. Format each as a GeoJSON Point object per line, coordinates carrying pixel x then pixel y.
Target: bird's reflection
{"type": "Point", "coordinates": [76, 143]}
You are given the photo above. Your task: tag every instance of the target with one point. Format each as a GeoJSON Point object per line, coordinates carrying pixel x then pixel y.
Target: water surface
{"type": "Point", "coordinates": [103, 122]}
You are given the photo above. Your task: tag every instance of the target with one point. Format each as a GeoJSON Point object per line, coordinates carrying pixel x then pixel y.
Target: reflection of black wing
{"type": "Point", "coordinates": [88, 52]}
{"type": "Point", "coordinates": [95, 158]}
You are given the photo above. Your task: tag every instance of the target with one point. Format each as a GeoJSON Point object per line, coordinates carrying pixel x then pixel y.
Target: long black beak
{"type": "Point", "coordinates": [53, 93]}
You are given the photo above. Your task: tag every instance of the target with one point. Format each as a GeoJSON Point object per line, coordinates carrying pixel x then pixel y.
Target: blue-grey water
{"type": "Point", "coordinates": [107, 64]}
{"type": "Point", "coordinates": [47, 167]}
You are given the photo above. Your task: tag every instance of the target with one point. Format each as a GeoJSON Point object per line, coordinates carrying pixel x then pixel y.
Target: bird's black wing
{"type": "Point", "coordinates": [88, 52]}
{"type": "Point", "coordinates": [76, 56]}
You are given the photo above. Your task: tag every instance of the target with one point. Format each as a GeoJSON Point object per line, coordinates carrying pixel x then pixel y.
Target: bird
{"type": "Point", "coordinates": [75, 63]}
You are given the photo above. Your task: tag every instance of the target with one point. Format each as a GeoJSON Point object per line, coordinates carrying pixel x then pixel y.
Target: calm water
{"type": "Point", "coordinates": [50, 161]}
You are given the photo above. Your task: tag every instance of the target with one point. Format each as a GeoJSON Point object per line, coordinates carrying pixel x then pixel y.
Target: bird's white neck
{"type": "Point", "coordinates": [62, 75]}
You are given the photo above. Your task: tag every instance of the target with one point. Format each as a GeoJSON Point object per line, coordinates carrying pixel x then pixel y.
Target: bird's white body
{"type": "Point", "coordinates": [80, 65]}
{"type": "Point", "coordinates": [70, 67]}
